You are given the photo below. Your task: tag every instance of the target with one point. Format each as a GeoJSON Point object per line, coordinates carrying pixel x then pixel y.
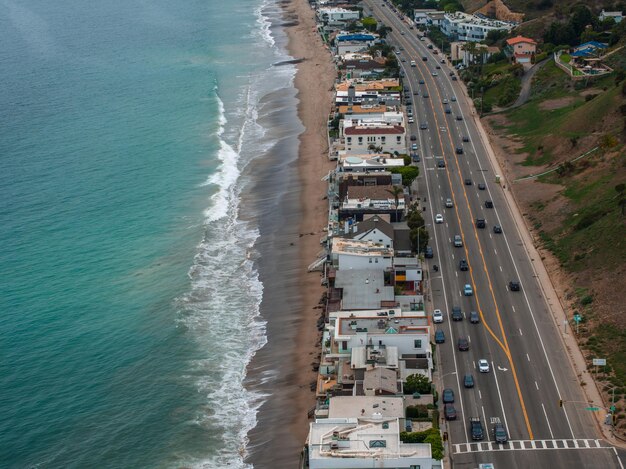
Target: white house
{"type": "Point", "coordinates": [367, 162]}
{"type": "Point", "coordinates": [614, 15]}
{"type": "Point", "coordinates": [421, 15]}
{"type": "Point", "coordinates": [355, 254]}
{"type": "Point", "coordinates": [372, 198]}
{"type": "Point", "coordinates": [435, 18]}
{"type": "Point", "coordinates": [461, 26]}
{"type": "Point", "coordinates": [482, 53]}
{"type": "Point", "coordinates": [388, 138]}
{"type": "Point", "coordinates": [336, 16]}
{"type": "Point", "coordinates": [368, 441]}
{"type": "Point", "coordinates": [373, 229]}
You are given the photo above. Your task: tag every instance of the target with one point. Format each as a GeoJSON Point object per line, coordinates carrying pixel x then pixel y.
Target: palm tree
{"type": "Point", "coordinates": [396, 191]}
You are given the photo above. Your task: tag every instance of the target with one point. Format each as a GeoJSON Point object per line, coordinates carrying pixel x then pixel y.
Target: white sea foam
{"type": "Point", "coordinates": [264, 24]}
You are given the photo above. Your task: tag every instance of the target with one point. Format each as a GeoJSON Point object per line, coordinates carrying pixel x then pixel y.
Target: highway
{"type": "Point", "coordinates": [530, 372]}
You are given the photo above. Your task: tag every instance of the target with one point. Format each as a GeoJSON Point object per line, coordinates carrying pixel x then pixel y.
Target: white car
{"type": "Point", "coordinates": [483, 366]}
{"type": "Point", "coordinates": [439, 218]}
{"type": "Point", "coordinates": [411, 120]}
{"type": "Point", "coordinates": [435, 74]}
{"type": "Point", "coordinates": [437, 316]}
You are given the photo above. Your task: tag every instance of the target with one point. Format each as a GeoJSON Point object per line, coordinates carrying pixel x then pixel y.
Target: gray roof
{"type": "Point", "coordinates": [381, 379]}
{"type": "Point", "coordinates": [363, 289]}
{"type": "Point", "coordinates": [402, 240]}
{"type": "Point", "coordinates": [372, 223]}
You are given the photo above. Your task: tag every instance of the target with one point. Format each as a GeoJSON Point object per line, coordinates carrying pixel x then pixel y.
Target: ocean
{"type": "Point", "coordinates": [147, 175]}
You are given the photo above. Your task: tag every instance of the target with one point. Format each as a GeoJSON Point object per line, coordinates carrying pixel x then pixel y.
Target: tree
{"type": "Point", "coordinates": [414, 219]}
{"type": "Point", "coordinates": [396, 192]}
{"type": "Point", "coordinates": [419, 238]}
{"type": "Point", "coordinates": [581, 17]}
{"type": "Point", "coordinates": [417, 383]}
{"type": "Point", "coordinates": [409, 173]}
{"type": "Point", "coordinates": [369, 23]}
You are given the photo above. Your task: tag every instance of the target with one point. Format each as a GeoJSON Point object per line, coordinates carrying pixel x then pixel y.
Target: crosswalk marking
{"type": "Point", "coordinates": [516, 445]}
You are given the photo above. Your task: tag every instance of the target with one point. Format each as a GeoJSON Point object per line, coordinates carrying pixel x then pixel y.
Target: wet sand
{"type": "Point", "coordinates": [283, 368]}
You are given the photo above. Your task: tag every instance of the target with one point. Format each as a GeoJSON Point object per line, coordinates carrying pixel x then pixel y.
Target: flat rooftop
{"type": "Point", "coordinates": [379, 325]}
{"type": "Point", "coordinates": [366, 406]}
{"type": "Point", "coordinates": [363, 288]}
{"type": "Point", "coordinates": [359, 248]}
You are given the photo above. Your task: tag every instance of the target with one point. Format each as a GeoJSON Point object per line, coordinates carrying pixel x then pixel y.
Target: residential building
{"type": "Point", "coordinates": [363, 289]}
{"type": "Point", "coordinates": [435, 18]}
{"type": "Point", "coordinates": [461, 26]}
{"type": "Point", "coordinates": [347, 109]}
{"type": "Point", "coordinates": [616, 16]}
{"type": "Point", "coordinates": [365, 406]}
{"type": "Point", "coordinates": [356, 254]}
{"type": "Point", "coordinates": [374, 229]}
{"type": "Point", "coordinates": [363, 200]}
{"type": "Point", "coordinates": [363, 68]}
{"type": "Point", "coordinates": [521, 49]}
{"type": "Point", "coordinates": [420, 16]}
{"type": "Point", "coordinates": [369, 162]}
{"type": "Point", "coordinates": [471, 53]}
{"type": "Point", "coordinates": [353, 43]}
{"type": "Point", "coordinates": [371, 441]}
{"type": "Point", "coordinates": [336, 16]}
{"type": "Point", "coordinates": [388, 138]}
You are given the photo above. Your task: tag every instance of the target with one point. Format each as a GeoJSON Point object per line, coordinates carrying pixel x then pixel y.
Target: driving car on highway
{"type": "Point", "coordinates": [483, 366]}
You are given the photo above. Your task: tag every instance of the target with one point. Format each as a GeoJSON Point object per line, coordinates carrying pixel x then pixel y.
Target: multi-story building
{"type": "Point", "coordinates": [461, 26]}
{"type": "Point", "coordinates": [521, 49]}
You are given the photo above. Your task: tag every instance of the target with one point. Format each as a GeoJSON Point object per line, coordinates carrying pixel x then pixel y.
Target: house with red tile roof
{"type": "Point", "coordinates": [521, 49]}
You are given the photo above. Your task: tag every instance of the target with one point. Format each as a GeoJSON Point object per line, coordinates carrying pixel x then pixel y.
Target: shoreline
{"type": "Point", "coordinates": [282, 369]}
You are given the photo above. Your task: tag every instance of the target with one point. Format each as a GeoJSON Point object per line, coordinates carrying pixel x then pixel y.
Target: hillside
{"type": "Point", "coordinates": [575, 133]}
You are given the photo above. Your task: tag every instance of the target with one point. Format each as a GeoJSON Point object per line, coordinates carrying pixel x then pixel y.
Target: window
{"type": "Point", "coordinates": [382, 139]}
{"type": "Point", "coordinates": [399, 139]}
{"type": "Point", "coordinates": [378, 443]}
{"type": "Point", "coordinates": [360, 140]}
{"type": "Point", "coordinates": [344, 345]}
{"type": "Point", "coordinates": [349, 139]}
{"type": "Point", "coordinates": [417, 343]}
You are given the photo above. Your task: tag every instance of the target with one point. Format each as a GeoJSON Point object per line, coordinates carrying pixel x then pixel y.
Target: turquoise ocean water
{"type": "Point", "coordinates": [129, 292]}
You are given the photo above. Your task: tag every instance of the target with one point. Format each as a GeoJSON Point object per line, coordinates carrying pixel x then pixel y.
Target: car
{"type": "Point", "coordinates": [422, 38]}
{"type": "Point", "coordinates": [468, 381]}
{"type": "Point", "coordinates": [408, 102]}
{"type": "Point", "coordinates": [467, 290]}
{"type": "Point", "coordinates": [421, 82]}
{"type": "Point", "coordinates": [435, 74]}
{"type": "Point", "coordinates": [411, 120]}
{"type": "Point", "coordinates": [514, 285]}
{"type": "Point", "coordinates": [447, 396]}
{"type": "Point", "coordinates": [474, 318]}
{"type": "Point", "coordinates": [430, 46]}
{"type": "Point", "coordinates": [402, 32]}
{"type": "Point", "coordinates": [483, 366]}
{"type": "Point", "coordinates": [458, 241]}
{"type": "Point", "coordinates": [468, 182]}
{"type": "Point", "coordinates": [413, 138]}
{"type": "Point", "coordinates": [423, 126]}
{"type": "Point", "coordinates": [436, 52]}
{"type": "Point", "coordinates": [454, 78]}
{"type": "Point", "coordinates": [416, 92]}
{"type": "Point", "coordinates": [425, 95]}
{"type": "Point", "coordinates": [414, 147]}
{"type": "Point", "coordinates": [499, 433]}
{"type": "Point", "coordinates": [403, 59]}
{"type": "Point", "coordinates": [462, 344]}
{"type": "Point", "coordinates": [451, 74]}
{"type": "Point", "coordinates": [439, 218]}
{"type": "Point", "coordinates": [449, 411]}
{"type": "Point", "coordinates": [465, 138]}
{"type": "Point", "coordinates": [480, 223]}
{"type": "Point", "coordinates": [488, 204]}
{"type": "Point", "coordinates": [415, 157]}
{"type": "Point", "coordinates": [448, 111]}
{"type": "Point", "coordinates": [441, 163]}
{"type": "Point", "coordinates": [440, 337]}
{"type": "Point", "coordinates": [457, 315]}
{"type": "Point", "coordinates": [453, 98]}
{"type": "Point", "coordinates": [445, 101]}
{"type": "Point", "coordinates": [481, 187]}
{"type": "Point", "coordinates": [438, 67]}
{"type": "Point", "coordinates": [497, 229]}
{"type": "Point", "coordinates": [443, 61]}
{"type": "Point", "coordinates": [459, 150]}
{"type": "Point", "coordinates": [428, 252]}
{"type": "Point", "coordinates": [476, 428]}
{"type": "Point", "coordinates": [459, 118]}
{"type": "Point", "coordinates": [437, 316]}
{"type": "Point", "coordinates": [449, 203]}
{"type": "Point", "coordinates": [463, 266]}
{"type": "Point", "coordinates": [401, 48]}
{"type": "Point", "coordinates": [425, 58]}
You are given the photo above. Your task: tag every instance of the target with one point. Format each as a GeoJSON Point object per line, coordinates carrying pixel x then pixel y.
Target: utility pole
{"type": "Point", "coordinates": [482, 98]}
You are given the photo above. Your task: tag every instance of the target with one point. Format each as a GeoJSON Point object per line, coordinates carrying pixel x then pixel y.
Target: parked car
{"type": "Point", "coordinates": [463, 265]}
{"type": "Point", "coordinates": [437, 316]}
{"type": "Point", "coordinates": [440, 337]}
{"type": "Point", "coordinates": [499, 433]}
{"type": "Point", "coordinates": [411, 120]}
{"type": "Point", "coordinates": [468, 381]}
{"type": "Point", "coordinates": [414, 147]}
{"type": "Point", "coordinates": [483, 366]}
{"type": "Point", "coordinates": [497, 229]}
{"type": "Point", "coordinates": [447, 396]}
{"type": "Point", "coordinates": [413, 138]}
{"type": "Point", "coordinates": [457, 315]}
{"type": "Point", "coordinates": [449, 411]}
{"type": "Point", "coordinates": [462, 344]}
{"type": "Point", "coordinates": [474, 318]}
{"type": "Point", "coordinates": [453, 77]}
{"type": "Point", "coordinates": [467, 290]}
{"type": "Point", "coordinates": [439, 218]}
{"type": "Point", "coordinates": [514, 285]}
{"type": "Point", "coordinates": [428, 252]}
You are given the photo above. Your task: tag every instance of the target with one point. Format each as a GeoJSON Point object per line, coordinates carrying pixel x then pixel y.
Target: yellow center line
{"type": "Point", "coordinates": [504, 346]}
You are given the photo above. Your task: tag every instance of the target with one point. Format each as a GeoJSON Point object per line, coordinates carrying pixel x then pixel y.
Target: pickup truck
{"type": "Point", "coordinates": [476, 428]}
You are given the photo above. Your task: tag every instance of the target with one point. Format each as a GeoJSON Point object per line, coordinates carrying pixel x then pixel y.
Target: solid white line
{"type": "Point", "coordinates": [618, 459]}
{"type": "Point", "coordinates": [548, 421]}
{"type": "Point", "coordinates": [506, 424]}
{"type": "Point", "coordinates": [485, 427]}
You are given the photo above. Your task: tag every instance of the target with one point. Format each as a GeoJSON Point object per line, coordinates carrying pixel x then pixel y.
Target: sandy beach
{"type": "Point", "coordinates": [282, 370]}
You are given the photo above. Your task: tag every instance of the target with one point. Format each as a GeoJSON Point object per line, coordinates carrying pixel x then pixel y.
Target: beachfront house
{"type": "Point", "coordinates": [521, 49]}
{"type": "Point", "coordinates": [461, 26]}
{"type": "Point", "coordinates": [373, 228]}
{"type": "Point", "coordinates": [616, 16]}
{"type": "Point", "coordinates": [365, 134]}
{"type": "Point", "coordinates": [363, 68]}
{"type": "Point", "coordinates": [364, 200]}
{"type": "Point", "coordinates": [356, 254]}
{"type": "Point", "coordinates": [336, 17]}
{"type": "Point", "coordinates": [367, 163]}
{"type": "Point", "coordinates": [347, 43]}
{"type": "Point", "coordinates": [368, 441]}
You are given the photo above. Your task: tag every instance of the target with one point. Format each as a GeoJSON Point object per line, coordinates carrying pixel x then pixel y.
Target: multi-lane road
{"type": "Point", "coordinates": [530, 375]}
